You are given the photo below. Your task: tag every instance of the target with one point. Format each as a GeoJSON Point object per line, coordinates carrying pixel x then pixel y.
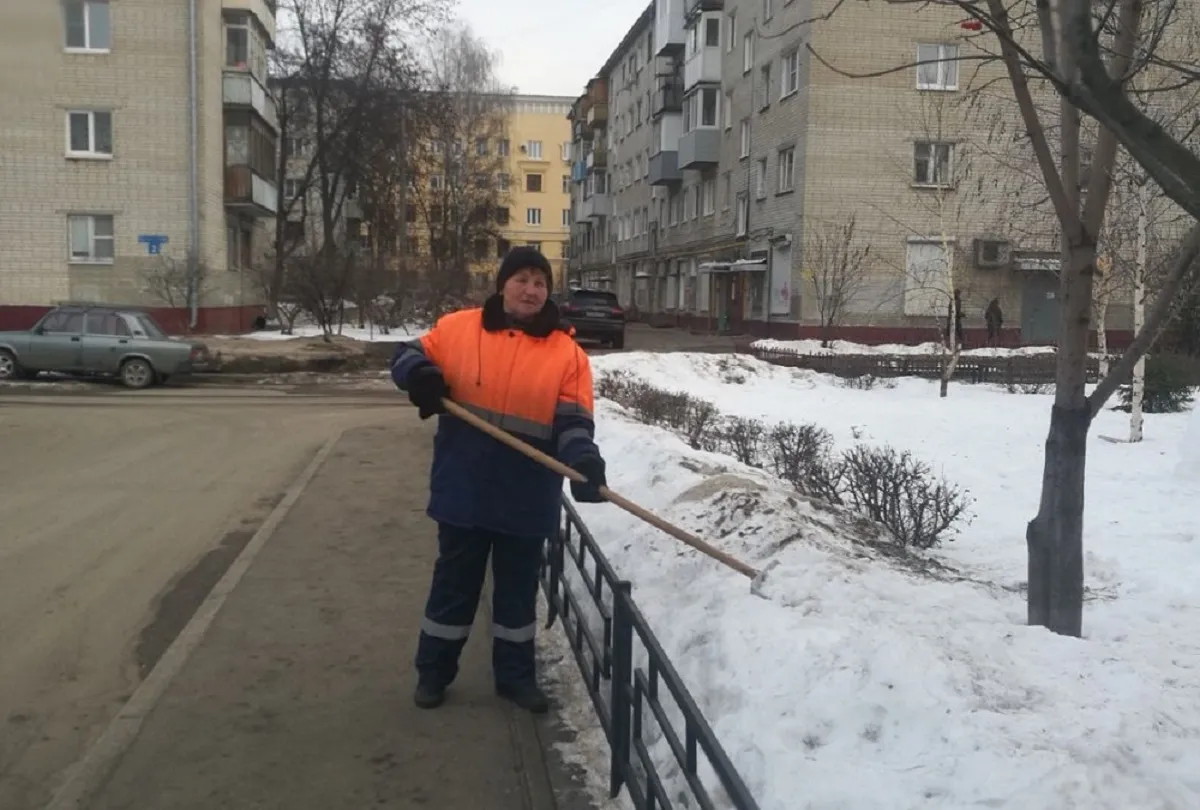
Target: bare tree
{"type": "Point", "coordinates": [345, 68]}
{"type": "Point", "coordinates": [838, 272]}
{"type": "Point", "coordinates": [1089, 53]}
{"type": "Point", "coordinates": [171, 282]}
{"type": "Point", "coordinates": [458, 187]}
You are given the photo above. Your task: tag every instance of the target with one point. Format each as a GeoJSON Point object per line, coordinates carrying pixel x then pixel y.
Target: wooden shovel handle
{"type": "Point", "coordinates": [629, 506]}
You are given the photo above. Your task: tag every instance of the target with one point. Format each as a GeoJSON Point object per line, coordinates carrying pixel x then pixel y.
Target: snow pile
{"type": "Point", "coordinates": [861, 684]}
{"type": "Point", "coordinates": [847, 347]}
{"type": "Point", "coordinates": [365, 334]}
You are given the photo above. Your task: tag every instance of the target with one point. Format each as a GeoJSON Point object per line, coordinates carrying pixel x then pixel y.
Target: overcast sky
{"type": "Point", "coordinates": [551, 47]}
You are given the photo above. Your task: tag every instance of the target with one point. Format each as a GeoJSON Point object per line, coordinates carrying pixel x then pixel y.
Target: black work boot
{"type": "Point", "coordinates": [429, 695]}
{"type": "Point", "coordinates": [528, 695]}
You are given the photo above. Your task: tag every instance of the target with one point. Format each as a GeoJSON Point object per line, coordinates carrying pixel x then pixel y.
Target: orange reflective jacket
{"type": "Point", "coordinates": [534, 382]}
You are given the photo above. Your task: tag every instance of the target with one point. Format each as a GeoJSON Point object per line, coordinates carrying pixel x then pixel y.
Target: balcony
{"type": "Point", "coordinates": [664, 169]}
{"type": "Point", "coordinates": [578, 171]}
{"type": "Point", "coordinates": [250, 193]}
{"type": "Point", "coordinates": [668, 27]}
{"type": "Point", "coordinates": [240, 89]}
{"type": "Point", "coordinates": [598, 157]}
{"type": "Point", "coordinates": [263, 11]}
{"type": "Point", "coordinates": [703, 66]}
{"type": "Point", "coordinates": [700, 149]}
{"type": "Point", "coordinates": [597, 115]}
{"type": "Point", "coordinates": [693, 7]}
{"type": "Point", "coordinates": [595, 207]}
{"type": "Point", "coordinates": [668, 97]}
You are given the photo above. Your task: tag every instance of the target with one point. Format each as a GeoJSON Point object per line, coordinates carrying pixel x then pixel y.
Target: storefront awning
{"type": "Point", "coordinates": [736, 266]}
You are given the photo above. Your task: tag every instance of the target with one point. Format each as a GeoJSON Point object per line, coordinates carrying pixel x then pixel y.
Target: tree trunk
{"type": "Point", "coordinates": [1055, 536]}
{"type": "Point", "coordinates": [1103, 295]}
{"type": "Point", "coordinates": [1138, 392]}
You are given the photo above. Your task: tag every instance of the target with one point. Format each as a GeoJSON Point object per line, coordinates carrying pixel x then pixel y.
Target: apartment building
{"type": "Point", "coordinates": [538, 179]}
{"type": "Point", "coordinates": [761, 155]}
{"type": "Point", "coordinates": [151, 150]}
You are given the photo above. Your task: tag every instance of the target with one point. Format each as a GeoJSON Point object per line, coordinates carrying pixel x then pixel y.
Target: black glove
{"type": "Point", "coordinates": [426, 389]}
{"type": "Point", "coordinates": [592, 467]}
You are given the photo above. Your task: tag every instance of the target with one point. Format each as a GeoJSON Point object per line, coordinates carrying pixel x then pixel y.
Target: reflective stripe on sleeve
{"type": "Point", "coordinates": [571, 409]}
{"type": "Point", "coordinates": [570, 435]}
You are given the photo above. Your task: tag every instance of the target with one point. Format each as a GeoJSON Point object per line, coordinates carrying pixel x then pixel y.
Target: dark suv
{"type": "Point", "coordinates": [595, 314]}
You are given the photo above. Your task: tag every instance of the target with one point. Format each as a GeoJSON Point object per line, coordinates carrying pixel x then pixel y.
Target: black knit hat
{"type": "Point", "coordinates": [522, 258]}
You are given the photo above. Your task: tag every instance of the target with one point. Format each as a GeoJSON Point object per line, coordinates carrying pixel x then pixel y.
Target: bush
{"type": "Point", "coordinates": [887, 486]}
{"type": "Point", "coordinates": [901, 493]}
{"type": "Point", "coordinates": [1167, 389]}
{"type": "Point", "coordinates": [802, 456]}
{"type": "Point", "coordinates": [867, 382]}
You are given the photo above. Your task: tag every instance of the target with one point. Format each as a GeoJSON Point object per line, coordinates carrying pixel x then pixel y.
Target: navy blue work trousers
{"type": "Point", "coordinates": [458, 578]}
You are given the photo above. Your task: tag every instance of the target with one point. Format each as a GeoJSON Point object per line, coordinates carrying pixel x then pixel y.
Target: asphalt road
{"type": "Point", "coordinates": [118, 512]}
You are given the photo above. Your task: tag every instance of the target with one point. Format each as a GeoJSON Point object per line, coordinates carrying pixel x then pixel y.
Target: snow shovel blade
{"type": "Point", "coordinates": [756, 584]}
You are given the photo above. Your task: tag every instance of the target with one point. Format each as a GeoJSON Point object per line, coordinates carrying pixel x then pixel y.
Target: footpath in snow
{"type": "Point", "coordinates": [861, 684]}
{"type": "Point", "coordinates": [805, 347]}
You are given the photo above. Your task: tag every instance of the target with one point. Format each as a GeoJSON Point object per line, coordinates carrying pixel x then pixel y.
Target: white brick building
{"type": "Point", "coordinates": [99, 169]}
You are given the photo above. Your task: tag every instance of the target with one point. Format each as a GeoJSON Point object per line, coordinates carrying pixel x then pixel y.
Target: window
{"type": "Point", "coordinates": [726, 190]}
{"type": "Point", "coordinates": [730, 32]}
{"type": "Point", "coordinates": [747, 52]}
{"type": "Point", "coordinates": [708, 196]}
{"type": "Point", "coordinates": [502, 147]}
{"type": "Point", "coordinates": [535, 245]}
{"type": "Point", "coordinates": [787, 169]}
{"type": "Point", "coordinates": [237, 46]}
{"type": "Point", "coordinates": [533, 216]}
{"type": "Point", "coordinates": [937, 67]}
{"type": "Point", "coordinates": [502, 216]}
{"type": "Point", "coordinates": [89, 133]}
{"type": "Point", "coordinates": [744, 150]}
{"type": "Point", "coordinates": [105, 322]}
{"type": "Point", "coordinates": [708, 107]}
{"type": "Point", "coordinates": [435, 182]}
{"type": "Point", "coordinates": [91, 238]}
{"type": "Point", "coordinates": [689, 204]}
{"type": "Point", "coordinates": [727, 113]}
{"type": "Point", "coordinates": [712, 32]}
{"type": "Point", "coordinates": [566, 220]}
{"type": "Point", "coordinates": [932, 163]}
{"type": "Point", "coordinates": [924, 279]}
{"type": "Point", "coordinates": [789, 74]}
{"type": "Point", "coordinates": [295, 147]}
{"type": "Point", "coordinates": [502, 248]}
{"type": "Point", "coordinates": [481, 147]}
{"type": "Point", "coordinates": [768, 9]}
{"type": "Point", "coordinates": [504, 182]}
{"type": "Point", "coordinates": [533, 182]}
{"type": "Point", "coordinates": [742, 216]}
{"type": "Point", "coordinates": [480, 248]}
{"type": "Point", "coordinates": [63, 322]}
{"type": "Point", "coordinates": [566, 184]}
{"type": "Point", "coordinates": [533, 149]}
{"type": "Point", "coordinates": [760, 178]}
{"type": "Point", "coordinates": [292, 188]}
{"type": "Point", "coordinates": [764, 87]}
{"type": "Point", "coordinates": [88, 25]}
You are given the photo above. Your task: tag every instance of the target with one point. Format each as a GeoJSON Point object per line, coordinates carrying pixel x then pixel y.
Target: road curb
{"type": "Point", "coordinates": [90, 773]}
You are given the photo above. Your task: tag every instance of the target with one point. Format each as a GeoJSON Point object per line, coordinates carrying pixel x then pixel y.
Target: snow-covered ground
{"type": "Point", "coordinates": [309, 331]}
{"type": "Point", "coordinates": [858, 685]}
{"type": "Point", "coordinates": [847, 347]}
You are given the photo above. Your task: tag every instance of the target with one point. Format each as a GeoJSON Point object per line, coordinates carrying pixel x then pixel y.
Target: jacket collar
{"type": "Point", "coordinates": [543, 324]}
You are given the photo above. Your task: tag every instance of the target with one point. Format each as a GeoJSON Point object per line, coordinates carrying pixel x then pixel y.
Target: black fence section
{"type": "Point", "coordinates": [1038, 369]}
{"type": "Point", "coordinates": [622, 693]}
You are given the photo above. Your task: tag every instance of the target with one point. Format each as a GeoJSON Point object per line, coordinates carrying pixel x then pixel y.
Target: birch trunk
{"type": "Point", "coordinates": [1138, 393]}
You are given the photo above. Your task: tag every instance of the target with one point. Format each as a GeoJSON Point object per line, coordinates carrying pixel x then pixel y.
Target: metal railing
{"type": "Point", "coordinates": [620, 691]}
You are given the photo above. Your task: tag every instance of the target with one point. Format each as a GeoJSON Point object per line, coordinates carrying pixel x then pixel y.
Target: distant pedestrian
{"type": "Point", "coordinates": [993, 316]}
{"type": "Point", "coordinates": [515, 364]}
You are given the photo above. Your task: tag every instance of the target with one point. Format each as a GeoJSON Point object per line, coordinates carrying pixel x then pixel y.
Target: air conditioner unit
{"type": "Point", "coordinates": [992, 253]}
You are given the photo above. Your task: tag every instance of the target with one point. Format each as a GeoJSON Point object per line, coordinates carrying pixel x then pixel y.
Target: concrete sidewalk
{"type": "Point", "coordinates": [299, 694]}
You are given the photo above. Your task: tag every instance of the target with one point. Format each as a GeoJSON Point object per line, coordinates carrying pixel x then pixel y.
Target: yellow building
{"type": "Point", "coordinates": [539, 178]}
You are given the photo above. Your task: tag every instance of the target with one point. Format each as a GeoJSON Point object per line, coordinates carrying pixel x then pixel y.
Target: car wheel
{"type": "Point", "coordinates": [137, 373]}
{"type": "Point", "coordinates": [10, 369]}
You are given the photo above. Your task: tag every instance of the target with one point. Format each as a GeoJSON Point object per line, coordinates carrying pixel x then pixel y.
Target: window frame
{"type": "Point", "coordinates": [789, 74]}
{"type": "Point", "coordinates": [86, 9]}
{"type": "Point", "coordinates": [931, 162]}
{"type": "Point", "coordinates": [947, 63]}
{"type": "Point", "coordinates": [93, 257]}
{"type": "Point", "coordinates": [785, 159]}
{"type": "Point", "coordinates": [91, 152]}
{"type": "Point", "coordinates": [531, 214]}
